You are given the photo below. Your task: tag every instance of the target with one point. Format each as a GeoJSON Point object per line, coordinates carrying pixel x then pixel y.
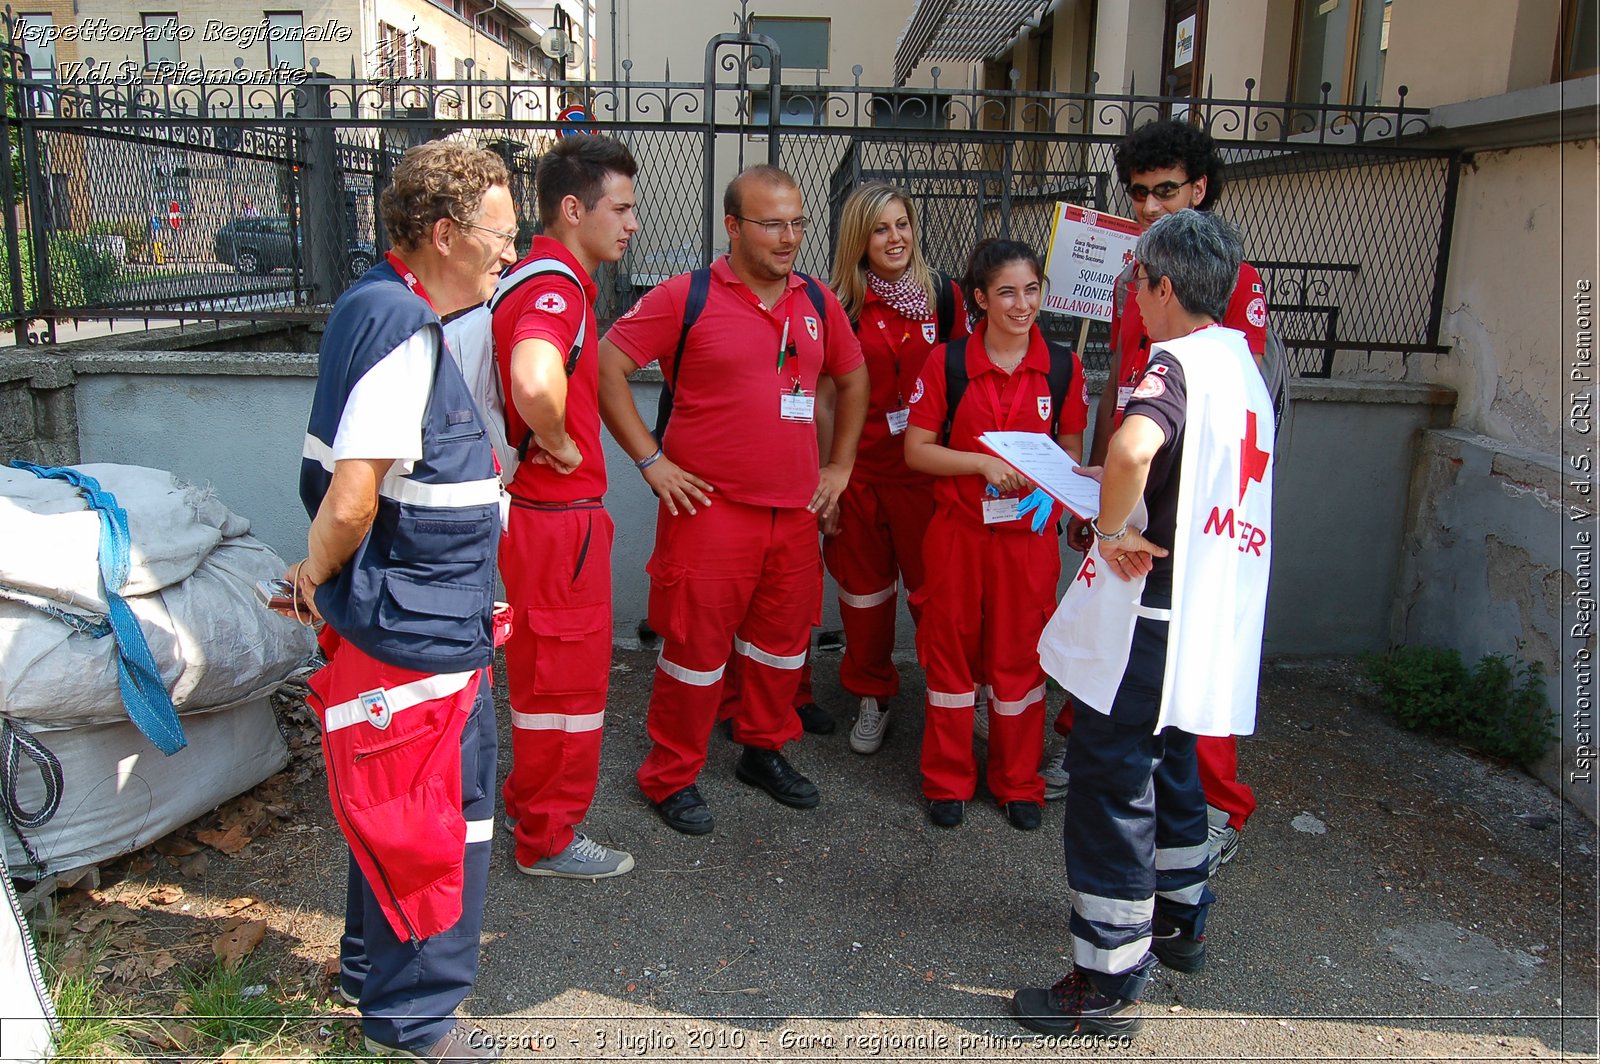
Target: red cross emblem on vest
{"type": "Point", "coordinates": [1252, 459]}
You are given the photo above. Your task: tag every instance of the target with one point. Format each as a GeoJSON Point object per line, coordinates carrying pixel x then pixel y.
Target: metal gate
{"type": "Point", "coordinates": [225, 201]}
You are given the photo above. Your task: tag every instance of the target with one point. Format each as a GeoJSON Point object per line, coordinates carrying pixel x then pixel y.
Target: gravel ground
{"type": "Point", "coordinates": [1393, 899]}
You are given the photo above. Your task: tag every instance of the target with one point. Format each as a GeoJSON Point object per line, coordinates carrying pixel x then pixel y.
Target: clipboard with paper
{"type": "Point", "coordinates": [1040, 459]}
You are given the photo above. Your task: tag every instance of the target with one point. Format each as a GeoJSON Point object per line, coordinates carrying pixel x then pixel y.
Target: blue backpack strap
{"type": "Point", "coordinates": [814, 293]}
{"type": "Point", "coordinates": [944, 306]}
{"type": "Point", "coordinates": [144, 693]}
{"type": "Point", "coordinates": [693, 305]}
{"type": "Point", "coordinates": [955, 385]}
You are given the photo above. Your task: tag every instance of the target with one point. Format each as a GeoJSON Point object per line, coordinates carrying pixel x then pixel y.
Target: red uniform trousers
{"type": "Point", "coordinates": [556, 563]}
{"type": "Point", "coordinates": [878, 548]}
{"type": "Point", "coordinates": [731, 682]}
{"type": "Point", "coordinates": [1218, 756]}
{"type": "Point", "coordinates": [732, 577]}
{"type": "Point", "coordinates": [984, 607]}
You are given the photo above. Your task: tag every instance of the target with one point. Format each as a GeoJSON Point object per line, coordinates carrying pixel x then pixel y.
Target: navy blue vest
{"type": "Point", "coordinates": [419, 591]}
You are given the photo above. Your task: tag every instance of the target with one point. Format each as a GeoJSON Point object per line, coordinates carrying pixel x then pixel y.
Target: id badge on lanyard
{"type": "Point", "coordinates": [900, 416]}
{"type": "Point", "coordinates": [794, 402]}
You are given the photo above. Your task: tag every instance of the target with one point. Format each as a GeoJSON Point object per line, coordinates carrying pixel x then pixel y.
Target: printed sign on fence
{"type": "Point", "coordinates": [1087, 251]}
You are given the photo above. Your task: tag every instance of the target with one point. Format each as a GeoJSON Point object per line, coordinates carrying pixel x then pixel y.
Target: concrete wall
{"type": "Point", "coordinates": [1443, 57]}
{"type": "Point", "coordinates": [1483, 571]}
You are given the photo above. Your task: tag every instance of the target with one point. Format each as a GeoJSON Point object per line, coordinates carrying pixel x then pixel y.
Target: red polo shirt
{"type": "Point", "coordinates": [1016, 402]}
{"type": "Point", "coordinates": [727, 426]}
{"type": "Point", "coordinates": [895, 349]}
{"type": "Point", "coordinates": [1247, 312]}
{"type": "Point", "coordinates": [551, 308]}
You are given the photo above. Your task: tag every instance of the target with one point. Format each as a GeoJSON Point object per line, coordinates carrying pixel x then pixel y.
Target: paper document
{"type": "Point", "coordinates": [1040, 459]}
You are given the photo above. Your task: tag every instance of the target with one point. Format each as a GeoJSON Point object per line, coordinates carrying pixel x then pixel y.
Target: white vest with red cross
{"type": "Point", "coordinates": [1222, 554]}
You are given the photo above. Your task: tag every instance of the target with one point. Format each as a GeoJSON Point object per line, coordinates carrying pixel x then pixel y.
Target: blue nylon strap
{"type": "Point", "coordinates": [143, 692]}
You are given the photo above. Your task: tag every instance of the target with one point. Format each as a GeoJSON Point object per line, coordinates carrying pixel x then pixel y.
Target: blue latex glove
{"type": "Point", "coordinates": [1040, 504]}
{"type": "Point", "coordinates": [991, 491]}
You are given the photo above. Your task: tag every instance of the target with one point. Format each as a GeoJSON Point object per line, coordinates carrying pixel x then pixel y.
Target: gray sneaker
{"type": "Point", "coordinates": [1222, 842]}
{"type": "Point", "coordinates": [582, 859]}
{"type": "Point", "coordinates": [1055, 775]}
{"type": "Point", "coordinates": [871, 726]}
{"type": "Point", "coordinates": [463, 1042]}
{"type": "Point", "coordinates": [980, 712]}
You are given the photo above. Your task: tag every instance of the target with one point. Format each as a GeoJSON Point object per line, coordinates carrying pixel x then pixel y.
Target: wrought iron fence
{"type": "Point", "coordinates": [230, 200]}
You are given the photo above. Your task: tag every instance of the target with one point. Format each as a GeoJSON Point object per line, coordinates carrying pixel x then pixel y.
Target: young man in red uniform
{"type": "Point", "coordinates": [735, 568]}
{"type": "Point", "coordinates": [1167, 166]}
{"type": "Point", "coordinates": [556, 558]}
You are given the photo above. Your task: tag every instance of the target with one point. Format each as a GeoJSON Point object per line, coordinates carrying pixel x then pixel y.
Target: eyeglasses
{"type": "Point", "coordinates": [509, 238]}
{"type": "Point", "coordinates": [775, 228]}
{"type": "Point", "coordinates": [1140, 277]}
{"type": "Point", "coordinates": [1163, 192]}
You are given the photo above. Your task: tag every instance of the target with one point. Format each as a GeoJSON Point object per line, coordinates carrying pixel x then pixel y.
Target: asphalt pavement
{"type": "Point", "coordinates": [1393, 898]}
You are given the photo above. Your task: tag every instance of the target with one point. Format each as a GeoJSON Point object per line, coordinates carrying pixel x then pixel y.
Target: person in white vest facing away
{"type": "Point", "coordinates": [1158, 638]}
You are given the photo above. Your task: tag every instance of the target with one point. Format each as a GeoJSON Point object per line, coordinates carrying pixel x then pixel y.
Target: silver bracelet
{"type": "Point", "coordinates": [645, 463]}
{"type": "Point", "coordinates": [1109, 537]}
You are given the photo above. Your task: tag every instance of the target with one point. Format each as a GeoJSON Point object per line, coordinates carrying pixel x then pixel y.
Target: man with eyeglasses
{"type": "Point", "coordinates": [556, 557]}
{"type": "Point", "coordinates": [736, 567]}
{"type": "Point", "coordinates": [400, 485]}
{"type": "Point", "coordinates": [1165, 167]}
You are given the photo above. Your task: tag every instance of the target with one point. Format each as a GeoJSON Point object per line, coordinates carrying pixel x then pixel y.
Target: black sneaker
{"type": "Point", "coordinates": [815, 719]}
{"type": "Point", "coordinates": [769, 770]}
{"type": "Point", "coordinates": [946, 812]}
{"type": "Point", "coordinates": [686, 811]}
{"type": "Point", "coordinates": [1074, 1006]}
{"type": "Point", "coordinates": [1024, 816]}
{"type": "Point", "coordinates": [1176, 950]}
{"type": "Point", "coordinates": [461, 1043]}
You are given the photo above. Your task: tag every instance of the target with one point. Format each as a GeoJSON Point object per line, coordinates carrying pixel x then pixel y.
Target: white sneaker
{"type": "Point", "coordinates": [872, 724]}
{"type": "Point", "coordinates": [980, 712]}
{"type": "Point", "coordinates": [582, 859]}
{"type": "Point", "coordinates": [1222, 839]}
{"type": "Point", "coordinates": [1055, 775]}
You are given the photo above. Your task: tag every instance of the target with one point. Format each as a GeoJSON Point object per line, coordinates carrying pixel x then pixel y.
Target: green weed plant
{"type": "Point", "coordinates": [1497, 708]}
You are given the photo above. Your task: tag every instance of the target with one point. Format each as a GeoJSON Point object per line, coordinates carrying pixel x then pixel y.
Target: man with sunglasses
{"type": "Point", "coordinates": [1165, 167]}
{"type": "Point", "coordinates": [556, 556]}
{"type": "Point", "coordinates": [736, 567]}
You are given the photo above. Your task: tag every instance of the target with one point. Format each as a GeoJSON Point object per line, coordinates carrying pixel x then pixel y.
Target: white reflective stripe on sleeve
{"type": "Point", "coordinates": [1183, 856]}
{"type": "Point", "coordinates": [1192, 895]}
{"type": "Point", "coordinates": [866, 602]}
{"type": "Point", "coordinates": [776, 661]}
{"type": "Point", "coordinates": [439, 685]}
{"type": "Point", "coordinates": [1007, 708]}
{"type": "Point", "coordinates": [948, 700]}
{"type": "Point", "coordinates": [319, 452]}
{"type": "Point", "coordinates": [1119, 912]}
{"type": "Point", "coordinates": [688, 676]}
{"type": "Point", "coordinates": [562, 722]}
{"type": "Point", "coordinates": [415, 492]}
{"type": "Point", "coordinates": [480, 830]}
{"type": "Point", "coordinates": [1153, 613]}
{"type": "Point", "coordinates": [1109, 961]}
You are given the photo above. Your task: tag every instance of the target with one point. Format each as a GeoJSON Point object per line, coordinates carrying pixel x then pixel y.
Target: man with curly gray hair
{"type": "Point", "coordinates": [400, 482]}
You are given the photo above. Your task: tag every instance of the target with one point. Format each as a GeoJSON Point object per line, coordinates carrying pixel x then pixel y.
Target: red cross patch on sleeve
{"type": "Point", "coordinates": [551, 302]}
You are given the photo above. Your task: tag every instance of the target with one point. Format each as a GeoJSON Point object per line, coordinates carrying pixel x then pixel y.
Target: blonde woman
{"type": "Point", "coordinates": [901, 310]}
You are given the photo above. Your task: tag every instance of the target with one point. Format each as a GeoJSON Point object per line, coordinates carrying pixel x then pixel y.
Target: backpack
{"type": "Point", "coordinates": [470, 338]}
{"type": "Point", "coordinates": [955, 383]}
{"type": "Point", "coordinates": [699, 291]}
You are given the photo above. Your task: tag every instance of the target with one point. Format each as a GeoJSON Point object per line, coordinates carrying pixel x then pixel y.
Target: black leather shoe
{"type": "Point", "coordinates": [768, 770]}
{"type": "Point", "coordinates": [1024, 816]}
{"type": "Point", "coordinates": [815, 719]}
{"type": "Point", "coordinates": [686, 811]}
{"type": "Point", "coordinates": [946, 812]}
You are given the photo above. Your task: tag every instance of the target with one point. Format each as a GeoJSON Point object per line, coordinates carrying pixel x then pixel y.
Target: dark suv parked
{"type": "Point", "coordinates": [261, 245]}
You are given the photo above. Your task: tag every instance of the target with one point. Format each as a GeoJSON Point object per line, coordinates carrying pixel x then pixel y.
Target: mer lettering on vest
{"type": "Point", "coordinates": [1221, 522]}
